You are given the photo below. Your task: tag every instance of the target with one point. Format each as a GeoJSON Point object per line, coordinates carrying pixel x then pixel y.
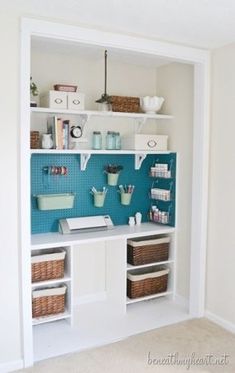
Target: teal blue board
{"type": "Point", "coordinates": [80, 183]}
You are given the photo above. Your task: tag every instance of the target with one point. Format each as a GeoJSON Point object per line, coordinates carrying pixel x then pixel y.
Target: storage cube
{"type": "Point", "coordinates": [48, 266]}
{"type": "Point", "coordinates": [76, 101]}
{"type": "Point", "coordinates": [147, 250]}
{"type": "Point", "coordinates": [48, 301]}
{"type": "Point", "coordinates": [145, 142]}
{"type": "Point", "coordinates": [54, 100]}
{"type": "Point", "coordinates": [145, 282]}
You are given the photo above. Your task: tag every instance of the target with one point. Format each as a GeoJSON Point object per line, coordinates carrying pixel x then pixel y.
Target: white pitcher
{"type": "Point", "coordinates": [47, 142]}
{"type": "Point", "coordinates": [151, 105]}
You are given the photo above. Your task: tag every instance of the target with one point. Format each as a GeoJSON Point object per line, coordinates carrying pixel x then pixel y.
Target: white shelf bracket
{"type": "Point", "coordinates": [140, 123]}
{"type": "Point", "coordinates": [139, 160]}
{"type": "Point", "coordinates": [84, 158]}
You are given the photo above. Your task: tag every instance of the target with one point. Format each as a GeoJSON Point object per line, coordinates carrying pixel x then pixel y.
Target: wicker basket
{"type": "Point", "coordinates": [47, 302]}
{"type": "Point", "coordinates": [147, 250]}
{"type": "Point", "coordinates": [125, 104]}
{"type": "Point", "coordinates": [65, 87]}
{"type": "Point", "coordinates": [143, 283]}
{"type": "Point", "coordinates": [48, 266]}
{"type": "Point", "coordinates": [34, 140]}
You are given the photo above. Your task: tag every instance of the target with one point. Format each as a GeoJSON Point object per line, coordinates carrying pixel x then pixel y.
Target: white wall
{"type": "Point", "coordinates": [221, 237]}
{"type": "Point", "coordinates": [10, 348]}
{"type": "Point", "coordinates": [175, 84]}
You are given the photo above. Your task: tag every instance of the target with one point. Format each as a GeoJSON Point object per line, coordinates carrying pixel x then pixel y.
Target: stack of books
{"type": "Point", "coordinates": [60, 132]}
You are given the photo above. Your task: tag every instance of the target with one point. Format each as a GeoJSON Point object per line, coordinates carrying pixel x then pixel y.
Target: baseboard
{"type": "Point", "coordinates": [220, 321]}
{"type": "Point", "coordinates": [11, 366]}
{"type": "Point", "coordinates": [182, 301]}
{"type": "Point", "coordinates": [96, 297]}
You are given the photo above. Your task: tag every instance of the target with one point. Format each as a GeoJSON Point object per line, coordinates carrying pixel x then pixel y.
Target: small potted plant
{"type": "Point", "coordinates": [33, 93]}
{"type": "Point", "coordinates": [113, 172]}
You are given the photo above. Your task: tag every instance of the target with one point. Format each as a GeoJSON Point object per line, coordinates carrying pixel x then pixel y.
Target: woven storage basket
{"type": "Point", "coordinates": [47, 302]}
{"type": "Point", "coordinates": [34, 140]}
{"type": "Point", "coordinates": [146, 283]}
{"type": "Point", "coordinates": [147, 250]}
{"type": "Point", "coordinates": [125, 104]}
{"type": "Point", "coordinates": [48, 266]}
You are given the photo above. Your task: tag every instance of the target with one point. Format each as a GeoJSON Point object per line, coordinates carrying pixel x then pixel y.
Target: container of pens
{"type": "Point", "coordinates": [126, 194]}
{"type": "Point", "coordinates": [99, 196]}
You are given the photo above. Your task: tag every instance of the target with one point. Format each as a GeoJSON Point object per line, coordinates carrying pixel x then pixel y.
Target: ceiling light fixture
{"type": "Point", "coordinates": [105, 100]}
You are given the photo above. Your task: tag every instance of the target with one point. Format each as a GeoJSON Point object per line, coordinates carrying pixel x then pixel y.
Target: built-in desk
{"type": "Point", "coordinates": [107, 315]}
{"type": "Point", "coordinates": [48, 240]}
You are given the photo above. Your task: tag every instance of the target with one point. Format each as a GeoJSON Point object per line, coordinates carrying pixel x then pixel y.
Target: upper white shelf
{"type": "Point", "coordinates": [100, 113]}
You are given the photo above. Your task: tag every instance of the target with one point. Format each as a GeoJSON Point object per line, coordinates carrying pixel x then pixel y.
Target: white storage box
{"type": "Point", "coordinates": [144, 142]}
{"type": "Point", "coordinates": [76, 101]}
{"type": "Point", "coordinates": [54, 100]}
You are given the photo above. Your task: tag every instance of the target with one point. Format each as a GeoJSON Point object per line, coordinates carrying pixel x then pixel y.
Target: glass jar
{"type": "Point", "coordinates": [117, 141]}
{"type": "Point", "coordinates": [110, 140]}
{"type": "Point", "coordinates": [96, 140]}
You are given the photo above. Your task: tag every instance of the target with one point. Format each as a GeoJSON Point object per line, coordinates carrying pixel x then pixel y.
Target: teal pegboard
{"type": "Point", "coordinates": [80, 183]}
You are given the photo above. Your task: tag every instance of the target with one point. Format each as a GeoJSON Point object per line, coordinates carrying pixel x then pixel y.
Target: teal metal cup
{"type": "Point", "coordinates": [99, 199]}
{"type": "Point", "coordinates": [126, 198]}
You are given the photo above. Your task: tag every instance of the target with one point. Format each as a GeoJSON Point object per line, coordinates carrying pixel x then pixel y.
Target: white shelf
{"type": "Point", "coordinates": [91, 151]}
{"type": "Point", "coordinates": [46, 319]}
{"type": "Point", "coordinates": [148, 297]}
{"type": "Point", "coordinates": [131, 267]}
{"type": "Point", "coordinates": [53, 240]}
{"type": "Point", "coordinates": [66, 278]}
{"type": "Point", "coordinates": [100, 113]}
{"type": "Point", "coordinates": [85, 154]}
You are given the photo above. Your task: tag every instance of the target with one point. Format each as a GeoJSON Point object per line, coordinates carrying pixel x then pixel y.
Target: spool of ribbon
{"type": "Point", "coordinates": [56, 170]}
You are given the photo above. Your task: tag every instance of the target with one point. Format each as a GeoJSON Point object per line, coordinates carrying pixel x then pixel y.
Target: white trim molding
{"type": "Point", "coordinates": [220, 321]}
{"type": "Point", "coordinates": [11, 366]}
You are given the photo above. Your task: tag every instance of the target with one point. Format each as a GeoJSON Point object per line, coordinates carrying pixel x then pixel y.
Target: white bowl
{"type": "Point", "coordinates": [151, 105]}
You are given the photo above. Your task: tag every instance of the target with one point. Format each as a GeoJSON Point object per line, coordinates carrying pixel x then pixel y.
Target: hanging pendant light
{"type": "Point", "coordinates": [105, 99]}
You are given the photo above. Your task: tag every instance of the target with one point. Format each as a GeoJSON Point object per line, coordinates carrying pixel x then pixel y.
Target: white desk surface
{"type": "Point", "coordinates": [49, 240]}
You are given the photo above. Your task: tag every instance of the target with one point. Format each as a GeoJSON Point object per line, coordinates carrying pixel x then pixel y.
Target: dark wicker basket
{"type": "Point", "coordinates": [147, 250]}
{"type": "Point", "coordinates": [47, 269]}
{"type": "Point", "coordinates": [125, 104]}
{"type": "Point", "coordinates": [147, 286]}
{"type": "Point", "coordinates": [48, 305]}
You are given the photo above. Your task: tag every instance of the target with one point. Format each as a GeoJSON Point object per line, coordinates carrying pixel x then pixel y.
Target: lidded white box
{"type": "Point", "coordinates": [54, 100]}
{"type": "Point", "coordinates": [76, 101]}
{"type": "Point", "coordinates": [145, 142]}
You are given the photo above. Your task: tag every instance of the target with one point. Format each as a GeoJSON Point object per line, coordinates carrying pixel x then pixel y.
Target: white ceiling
{"type": "Point", "coordinates": [200, 23]}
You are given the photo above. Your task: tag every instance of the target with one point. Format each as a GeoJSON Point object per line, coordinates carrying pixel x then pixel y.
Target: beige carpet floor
{"type": "Point", "coordinates": [199, 340]}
